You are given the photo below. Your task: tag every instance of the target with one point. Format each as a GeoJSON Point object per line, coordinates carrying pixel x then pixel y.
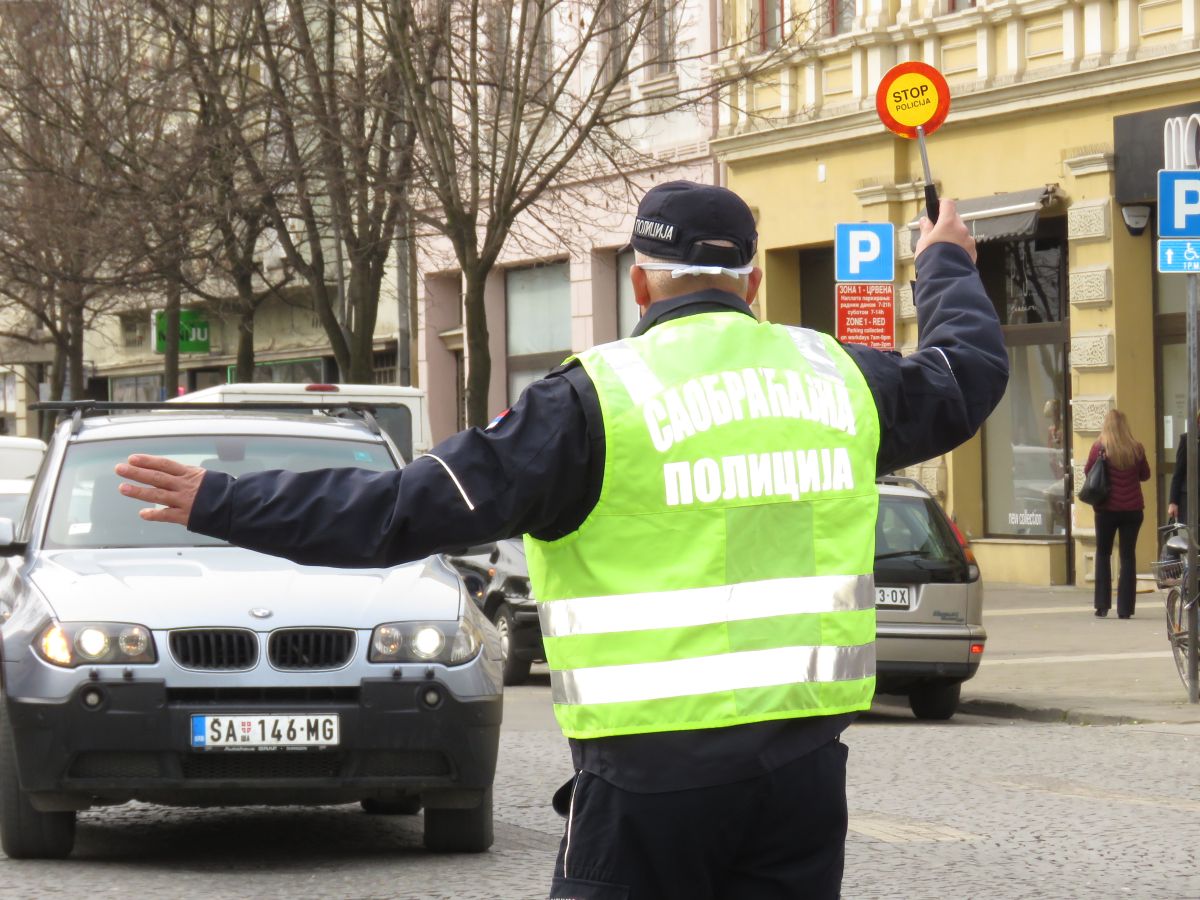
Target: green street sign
{"type": "Point", "coordinates": [193, 331]}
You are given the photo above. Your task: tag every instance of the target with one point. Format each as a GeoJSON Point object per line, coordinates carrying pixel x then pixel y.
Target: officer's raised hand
{"type": "Point", "coordinates": [949, 229]}
{"type": "Point", "coordinates": [170, 484]}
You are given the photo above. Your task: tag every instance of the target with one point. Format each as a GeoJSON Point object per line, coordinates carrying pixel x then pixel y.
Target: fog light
{"type": "Point", "coordinates": [431, 697]}
{"type": "Point", "coordinates": [92, 698]}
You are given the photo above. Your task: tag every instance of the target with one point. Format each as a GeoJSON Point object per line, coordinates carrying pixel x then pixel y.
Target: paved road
{"type": "Point", "coordinates": [972, 808]}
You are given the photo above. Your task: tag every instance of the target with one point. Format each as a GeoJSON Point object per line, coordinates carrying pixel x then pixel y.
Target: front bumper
{"type": "Point", "coordinates": [136, 746]}
{"type": "Point", "coordinates": [526, 639]}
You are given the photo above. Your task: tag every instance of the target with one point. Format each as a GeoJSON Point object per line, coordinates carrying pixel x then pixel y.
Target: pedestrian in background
{"type": "Point", "coordinates": [1119, 515]}
{"type": "Point", "coordinates": [1177, 496]}
{"type": "Point", "coordinates": [699, 504]}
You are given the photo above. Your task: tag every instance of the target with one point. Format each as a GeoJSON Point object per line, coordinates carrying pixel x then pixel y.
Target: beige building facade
{"type": "Point", "coordinates": [1054, 133]}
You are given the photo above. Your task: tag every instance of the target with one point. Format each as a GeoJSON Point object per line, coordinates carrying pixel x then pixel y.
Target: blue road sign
{"type": "Point", "coordinates": [1178, 204]}
{"type": "Point", "coordinates": [1179, 256]}
{"type": "Point", "coordinates": [865, 252]}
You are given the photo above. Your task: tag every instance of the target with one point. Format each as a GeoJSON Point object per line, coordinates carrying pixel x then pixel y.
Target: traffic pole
{"type": "Point", "coordinates": [1193, 481]}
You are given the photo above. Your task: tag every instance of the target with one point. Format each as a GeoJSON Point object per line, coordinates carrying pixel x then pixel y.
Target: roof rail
{"type": "Point", "coordinates": [80, 409]}
{"type": "Point", "coordinates": [903, 481]}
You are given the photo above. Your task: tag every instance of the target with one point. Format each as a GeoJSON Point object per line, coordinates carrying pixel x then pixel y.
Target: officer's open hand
{"type": "Point", "coordinates": [950, 229]}
{"type": "Point", "coordinates": [164, 481]}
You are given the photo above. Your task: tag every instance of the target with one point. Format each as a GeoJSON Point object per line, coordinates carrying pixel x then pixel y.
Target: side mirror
{"type": "Point", "coordinates": [8, 545]}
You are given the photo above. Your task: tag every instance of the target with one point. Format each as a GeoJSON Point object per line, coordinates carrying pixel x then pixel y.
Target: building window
{"type": "Point", "coordinates": [840, 15]}
{"type": "Point", "coordinates": [959, 5]}
{"type": "Point", "coordinates": [767, 19]}
{"type": "Point", "coordinates": [135, 330]}
{"type": "Point", "coordinates": [613, 40]}
{"type": "Point", "coordinates": [628, 313]}
{"type": "Point", "coordinates": [1025, 445]}
{"type": "Point", "coordinates": [538, 323]}
{"type": "Point", "coordinates": [137, 389]}
{"type": "Point", "coordinates": [384, 367]}
{"type": "Point", "coordinates": [659, 39]}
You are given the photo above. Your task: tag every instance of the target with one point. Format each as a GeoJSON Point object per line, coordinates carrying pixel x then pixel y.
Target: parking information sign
{"type": "Point", "coordinates": [866, 315]}
{"type": "Point", "coordinates": [865, 252]}
{"type": "Point", "coordinates": [1179, 220]}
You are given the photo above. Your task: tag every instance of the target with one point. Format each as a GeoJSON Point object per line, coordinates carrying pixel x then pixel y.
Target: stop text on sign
{"type": "Point", "coordinates": [866, 315]}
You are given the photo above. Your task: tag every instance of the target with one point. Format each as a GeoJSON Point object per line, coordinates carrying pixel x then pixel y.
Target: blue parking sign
{"type": "Point", "coordinates": [865, 252]}
{"type": "Point", "coordinates": [1179, 203]}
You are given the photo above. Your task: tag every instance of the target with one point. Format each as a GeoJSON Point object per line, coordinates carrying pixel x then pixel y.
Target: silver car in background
{"type": "Point", "coordinates": [144, 662]}
{"type": "Point", "coordinates": [928, 601]}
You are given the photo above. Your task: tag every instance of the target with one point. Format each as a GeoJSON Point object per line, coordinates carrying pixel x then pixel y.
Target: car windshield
{"type": "Point", "coordinates": [88, 512]}
{"type": "Point", "coordinates": [912, 527]}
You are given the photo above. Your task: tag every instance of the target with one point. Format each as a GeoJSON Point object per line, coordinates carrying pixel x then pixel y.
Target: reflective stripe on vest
{"type": "Point", "coordinates": [724, 574]}
{"type": "Point", "coordinates": [712, 674]}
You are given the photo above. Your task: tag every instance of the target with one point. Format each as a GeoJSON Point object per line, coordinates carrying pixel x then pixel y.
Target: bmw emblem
{"type": "Point", "coordinates": [259, 613]}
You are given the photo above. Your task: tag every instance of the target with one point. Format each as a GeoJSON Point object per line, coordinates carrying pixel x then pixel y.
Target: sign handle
{"type": "Point", "coordinates": [931, 196]}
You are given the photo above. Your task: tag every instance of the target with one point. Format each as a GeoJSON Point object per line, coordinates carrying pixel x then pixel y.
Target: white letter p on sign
{"type": "Point", "coordinates": [1187, 200]}
{"type": "Point", "coordinates": [864, 248]}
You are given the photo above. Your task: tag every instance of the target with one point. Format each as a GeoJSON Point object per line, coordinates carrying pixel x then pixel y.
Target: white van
{"type": "Point", "coordinates": [400, 411]}
{"type": "Point", "coordinates": [20, 456]}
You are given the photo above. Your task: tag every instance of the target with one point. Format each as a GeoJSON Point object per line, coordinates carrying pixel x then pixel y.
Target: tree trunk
{"type": "Point", "coordinates": [171, 344]}
{"type": "Point", "coordinates": [245, 347]}
{"type": "Point", "coordinates": [364, 309]}
{"type": "Point", "coordinates": [479, 356]}
{"type": "Point", "coordinates": [75, 344]}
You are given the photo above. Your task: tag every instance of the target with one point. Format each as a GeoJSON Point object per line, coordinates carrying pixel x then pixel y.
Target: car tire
{"type": "Point", "coordinates": [25, 832]}
{"type": "Point", "coordinates": [516, 671]}
{"type": "Point", "coordinates": [460, 830]}
{"type": "Point", "coordinates": [936, 701]}
{"type": "Point", "coordinates": [409, 806]}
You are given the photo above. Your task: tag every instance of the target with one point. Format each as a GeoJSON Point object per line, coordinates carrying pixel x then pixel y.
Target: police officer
{"type": "Point", "coordinates": [699, 507]}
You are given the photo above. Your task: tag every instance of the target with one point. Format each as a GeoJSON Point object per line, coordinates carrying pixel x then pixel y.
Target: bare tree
{"type": "Point", "coordinates": [519, 105]}
{"type": "Point", "coordinates": [343, 153]}
{"type": "Point", "coordinates": [61, 251]}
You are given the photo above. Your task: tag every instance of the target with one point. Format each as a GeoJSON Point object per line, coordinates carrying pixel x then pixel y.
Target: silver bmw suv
{"type": "Point", "coordinates": [144, 662]}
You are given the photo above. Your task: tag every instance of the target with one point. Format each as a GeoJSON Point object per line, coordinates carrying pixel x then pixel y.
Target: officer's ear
{"type": "Point", "coordinates": [641, 287]}
{"type": "Point", "coordinates": [753, 280]}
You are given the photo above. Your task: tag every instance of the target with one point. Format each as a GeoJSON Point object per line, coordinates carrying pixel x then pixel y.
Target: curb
{"type": "Point", "coordinates": [1005, 710]}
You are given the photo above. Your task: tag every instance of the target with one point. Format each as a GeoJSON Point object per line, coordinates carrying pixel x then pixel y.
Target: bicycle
{"type": "Point", "coordinates": [1170, 574]}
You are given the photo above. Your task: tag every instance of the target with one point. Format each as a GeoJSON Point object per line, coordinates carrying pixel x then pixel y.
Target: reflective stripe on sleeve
{"type": "Point", "coordinates": [706, 606]}
{"type": "Point", "coordinates": [710, 674]}
{"type": "Point", "coordinates": [635, 375]}
{"type": "Point", "coordinates": [812, 347]}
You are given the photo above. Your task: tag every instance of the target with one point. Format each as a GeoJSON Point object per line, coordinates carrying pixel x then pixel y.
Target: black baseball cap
{"type": "Point", "coordinates": [674, 220]}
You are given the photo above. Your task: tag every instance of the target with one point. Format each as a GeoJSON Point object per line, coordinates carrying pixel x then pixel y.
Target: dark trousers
{"type": "Point", "coordinates": [780, 835]}
{"type": "Point", "coordinates": [1108, 526]}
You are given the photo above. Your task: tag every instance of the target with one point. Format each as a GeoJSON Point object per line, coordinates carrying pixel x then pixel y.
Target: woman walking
{"type": "Point", "coordinates": [1121, 514]}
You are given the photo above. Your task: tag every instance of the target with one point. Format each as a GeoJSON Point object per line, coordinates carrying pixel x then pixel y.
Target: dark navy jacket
{"type": "Point", "coordinates": [538, 470]}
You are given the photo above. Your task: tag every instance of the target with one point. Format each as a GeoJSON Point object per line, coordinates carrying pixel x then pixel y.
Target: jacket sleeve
{"type": "Point", "coordinates": [937, 397]}
{"type": "Point", "coordinates": [1093, 455]}
{"type": "Point", "coordinates": [1143, 466]}
{"type": "Point", "coordinates": [523, 473]}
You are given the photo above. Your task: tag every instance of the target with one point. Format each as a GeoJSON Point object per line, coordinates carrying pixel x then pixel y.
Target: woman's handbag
{"type": "Point", "coordinates": [1095, 485]}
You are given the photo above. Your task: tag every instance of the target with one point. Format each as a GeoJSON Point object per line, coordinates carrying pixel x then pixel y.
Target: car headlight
{"type": "Point", "coordinates": [71, 644]}
{"type": "Point", "coordinates": [449, 643]}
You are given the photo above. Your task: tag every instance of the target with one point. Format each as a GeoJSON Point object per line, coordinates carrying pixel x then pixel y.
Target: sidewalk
{"type": "Point", "coordinates": [1049, 658]}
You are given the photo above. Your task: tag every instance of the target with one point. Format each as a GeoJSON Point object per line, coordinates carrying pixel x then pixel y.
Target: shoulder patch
{"type": "Point", "coordinates": [496, 421]}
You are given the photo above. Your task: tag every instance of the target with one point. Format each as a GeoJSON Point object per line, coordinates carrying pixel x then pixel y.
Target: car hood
{"type": "Point", "coordinates": [185, 587]}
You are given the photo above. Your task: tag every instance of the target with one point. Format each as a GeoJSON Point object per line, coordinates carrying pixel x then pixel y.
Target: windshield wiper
{"type": "Point", "coordinates": [899, 553]}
